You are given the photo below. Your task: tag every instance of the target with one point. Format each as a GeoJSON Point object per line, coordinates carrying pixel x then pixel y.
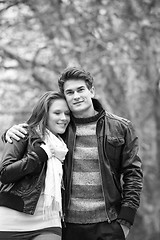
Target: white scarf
{"type": "Point", "coordinates": [56, 150]}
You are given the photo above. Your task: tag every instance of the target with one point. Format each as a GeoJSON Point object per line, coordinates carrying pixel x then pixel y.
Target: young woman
{"type": "Point", "coordinates": [31, 174]}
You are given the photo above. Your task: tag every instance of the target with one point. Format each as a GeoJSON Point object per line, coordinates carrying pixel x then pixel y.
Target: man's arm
{"type": "Point", "coordinates": [15, 132]}
{"type": "Point", "coordinates": [131, 168]}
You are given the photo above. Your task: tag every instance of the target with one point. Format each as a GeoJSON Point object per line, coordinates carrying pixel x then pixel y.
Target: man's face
{"type": "Point", "coordinates": [79, 98]}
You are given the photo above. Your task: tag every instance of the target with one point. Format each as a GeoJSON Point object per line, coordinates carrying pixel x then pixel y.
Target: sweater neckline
{"type": "Point", "coordinates": [88, 119]}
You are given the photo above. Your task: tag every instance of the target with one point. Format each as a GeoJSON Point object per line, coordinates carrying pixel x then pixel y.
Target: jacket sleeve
{"type": "Point", "coordinates": [3, 137]}
{"type": "Point", "coordinates": [15, 164]}
{"type": "Point", "coordinates": [132, 176]}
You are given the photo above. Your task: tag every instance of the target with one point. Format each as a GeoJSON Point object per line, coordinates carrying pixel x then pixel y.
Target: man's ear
{"type": "Point", "coordinates": [92, 90]}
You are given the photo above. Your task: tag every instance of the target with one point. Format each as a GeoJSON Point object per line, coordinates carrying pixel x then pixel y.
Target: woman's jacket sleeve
{"type": "Point", "coordinates": [17, 161]}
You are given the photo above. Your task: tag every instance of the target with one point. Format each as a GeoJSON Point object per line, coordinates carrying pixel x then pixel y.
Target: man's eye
{"type": "Point", "coordinates": [69, 93]}
{"type": "Point", "coordinates": [80, 90]}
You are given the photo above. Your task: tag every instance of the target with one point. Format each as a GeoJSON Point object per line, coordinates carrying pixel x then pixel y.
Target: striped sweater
{"type": "Point", "coordinates": [87, 200]}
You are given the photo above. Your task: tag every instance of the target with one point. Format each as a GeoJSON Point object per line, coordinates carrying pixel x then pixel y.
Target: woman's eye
{"type": "Point", "coordinates": [67, 113]}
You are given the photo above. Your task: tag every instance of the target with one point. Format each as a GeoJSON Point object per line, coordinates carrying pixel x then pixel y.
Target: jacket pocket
{"type": "Point", "coordinates": [25, 186]}
{"type": "Point", "coordinates": [114, 147]}
{"type": "Point", "coordinates": [29, 183]}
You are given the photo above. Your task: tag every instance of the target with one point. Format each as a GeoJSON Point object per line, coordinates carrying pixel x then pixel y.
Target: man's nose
{"type": "Point", "coordinates": [76, 94]}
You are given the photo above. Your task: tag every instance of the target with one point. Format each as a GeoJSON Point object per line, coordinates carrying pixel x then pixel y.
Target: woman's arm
{"type": "Point", "coordinates": [15, 165]}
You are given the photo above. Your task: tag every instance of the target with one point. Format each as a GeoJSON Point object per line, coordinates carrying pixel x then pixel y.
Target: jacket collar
{"type": "Point", "coordinates": [97, 105]}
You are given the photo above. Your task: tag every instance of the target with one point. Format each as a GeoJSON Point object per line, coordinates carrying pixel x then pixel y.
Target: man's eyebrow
{"type": "Point", "coordinates": [68, 90]}
{"type": "Point", "coordinates": [81, 86]}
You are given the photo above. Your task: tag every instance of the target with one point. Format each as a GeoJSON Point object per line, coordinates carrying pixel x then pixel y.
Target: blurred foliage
{"type": "Point", "coordinates": [118, 41]}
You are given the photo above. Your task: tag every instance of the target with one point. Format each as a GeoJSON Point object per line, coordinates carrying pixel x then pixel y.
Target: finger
{"type": "Point", "coordinates": [12, 136]}
{"type": "Point", "coordinates": [18, 133]}
{"type": "Point", "coordinates": [24, 125]}
{"type": "Point", "coordinates": [8, 139]}
{"type": "Point", "coordinates": [21, 129]}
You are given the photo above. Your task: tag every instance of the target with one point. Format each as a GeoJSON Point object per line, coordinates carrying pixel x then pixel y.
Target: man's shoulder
{"type": "Point", "coordinates": [116, 118]}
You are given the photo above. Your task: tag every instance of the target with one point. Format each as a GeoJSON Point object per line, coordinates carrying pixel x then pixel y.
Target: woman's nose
{"type": "Point", "coordinates": [63, 116]}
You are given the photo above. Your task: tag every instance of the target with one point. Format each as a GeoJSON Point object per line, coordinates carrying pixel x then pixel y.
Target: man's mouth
{"type": "Point", "coordinates": [77, 103]}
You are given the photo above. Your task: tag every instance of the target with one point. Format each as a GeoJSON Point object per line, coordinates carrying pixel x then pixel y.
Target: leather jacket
{"type": "Point", "coordinates": [119, 162]}
{"type": "Point", "coordinates": [22, 175]}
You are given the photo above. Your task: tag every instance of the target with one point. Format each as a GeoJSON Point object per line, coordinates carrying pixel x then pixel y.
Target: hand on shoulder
{"type": "Point", "coordinates": [16, 132]}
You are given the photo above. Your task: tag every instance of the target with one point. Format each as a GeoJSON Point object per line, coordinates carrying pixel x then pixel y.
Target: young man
{"type": "Point", "coordinates": [103, 174]}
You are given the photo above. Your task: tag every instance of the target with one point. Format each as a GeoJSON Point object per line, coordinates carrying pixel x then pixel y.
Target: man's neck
{"type": "Point", "coordinates": [92, 112]}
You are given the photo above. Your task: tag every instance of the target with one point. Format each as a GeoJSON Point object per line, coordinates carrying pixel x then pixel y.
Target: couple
{"type": "Point", "coordinates": [100, 153]}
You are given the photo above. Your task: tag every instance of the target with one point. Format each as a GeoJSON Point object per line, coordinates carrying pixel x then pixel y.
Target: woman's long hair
{"type": "Point", "coordinates": [39, 116]}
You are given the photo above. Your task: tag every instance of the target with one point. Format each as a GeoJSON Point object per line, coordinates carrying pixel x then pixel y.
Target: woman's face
{"type": "Point", "coordinates": [58, 116]}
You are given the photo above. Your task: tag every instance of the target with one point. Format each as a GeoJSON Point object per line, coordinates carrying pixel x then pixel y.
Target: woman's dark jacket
{"type": "Point", "coordinates": [22, 175]}
{"type": "Point", "coordinates": [119, 164]}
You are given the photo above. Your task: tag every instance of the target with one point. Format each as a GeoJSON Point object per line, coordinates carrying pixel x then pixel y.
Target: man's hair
{"type": "Point", "coordinates": [74, 73]}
